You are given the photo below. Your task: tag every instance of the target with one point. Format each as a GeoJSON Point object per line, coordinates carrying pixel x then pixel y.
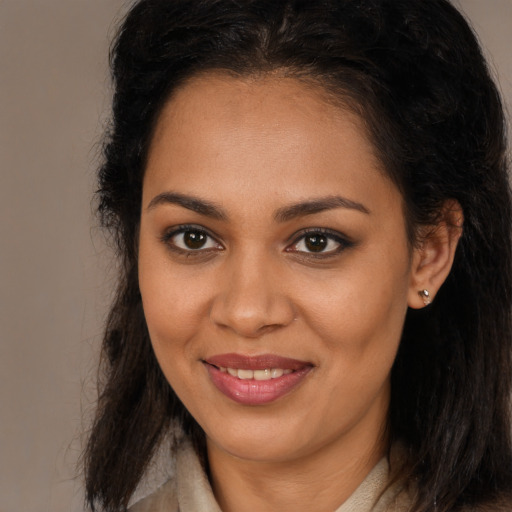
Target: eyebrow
{"type": "Point", "coordinates": [316, 206]}
{"type": "Point", "coordinates": [201, 206]}
{"type": "Point", "coordinates": [284, 214]}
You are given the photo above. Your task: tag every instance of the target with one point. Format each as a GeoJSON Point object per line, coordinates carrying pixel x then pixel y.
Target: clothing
{"type": "Point", "coordinates": [190, 490]}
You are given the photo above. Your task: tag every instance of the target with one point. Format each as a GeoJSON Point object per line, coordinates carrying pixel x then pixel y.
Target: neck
{"type": "Point", "coordinates": [320, 481]}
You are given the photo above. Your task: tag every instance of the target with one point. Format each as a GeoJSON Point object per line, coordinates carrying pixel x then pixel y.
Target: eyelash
{"type": "Point", "coordinates": [331, 236]}
{"type": "Point", "coordinates": [190, 228]}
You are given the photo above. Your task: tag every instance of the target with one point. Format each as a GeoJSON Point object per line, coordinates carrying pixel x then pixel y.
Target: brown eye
{"type": "Point", "coordinates": [189, 239]}
{"type": "Point", "coordinates": [194, 239]}
{"type": "Point", "coordinates": [320, 242]}
{"type": "Point", "coordinates": [315, 243]}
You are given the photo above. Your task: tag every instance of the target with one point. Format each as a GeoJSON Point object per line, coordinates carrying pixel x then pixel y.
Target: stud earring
{"type": "Point", "coordinates": [425, 295]}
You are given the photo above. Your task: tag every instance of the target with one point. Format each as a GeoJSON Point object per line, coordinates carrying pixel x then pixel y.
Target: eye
{"type": "Point", "coordinates": [320, 242]}
{"type": "Point", "coordinates": [191, 239]}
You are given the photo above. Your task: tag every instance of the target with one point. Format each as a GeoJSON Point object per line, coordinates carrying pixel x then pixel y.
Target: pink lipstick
{"type": "Point", "coordinates": [255, 380]}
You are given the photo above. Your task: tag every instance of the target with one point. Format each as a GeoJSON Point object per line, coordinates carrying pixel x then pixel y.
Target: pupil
{"type": "Point", "coordinates": [194, 239]}
{"type": "Point", "coordinates": [316, 243]}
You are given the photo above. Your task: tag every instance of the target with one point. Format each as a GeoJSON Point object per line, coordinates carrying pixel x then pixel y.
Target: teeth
{"type": "Point", "coordinates": [262, 374]}
{"type": "Point", "coordinates": [266, 374]}
{"type": "Point", "coordinates": [245, 374]}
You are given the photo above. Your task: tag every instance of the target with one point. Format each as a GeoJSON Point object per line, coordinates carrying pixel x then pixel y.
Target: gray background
{"type": "Point", "coordinates": [55, 272]}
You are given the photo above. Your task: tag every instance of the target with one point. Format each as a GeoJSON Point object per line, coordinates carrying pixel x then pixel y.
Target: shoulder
{"type": "Point", "coordinates": [163, 499]}
{"type": "Point", "coordinates": [188, 489]}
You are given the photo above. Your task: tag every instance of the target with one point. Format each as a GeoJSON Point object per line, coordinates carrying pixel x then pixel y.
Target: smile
{"type": "Point", "coordinates": [255, 380]}
{"type": "Point", "coordinates": [266, 374]}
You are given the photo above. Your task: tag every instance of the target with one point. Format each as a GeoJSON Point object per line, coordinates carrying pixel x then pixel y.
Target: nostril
{"type": "Point", "coordinates": [250, 303]}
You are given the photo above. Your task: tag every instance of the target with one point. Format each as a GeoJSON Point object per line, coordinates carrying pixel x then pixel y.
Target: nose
{"type": "Point", "coordinates": [251, 298]}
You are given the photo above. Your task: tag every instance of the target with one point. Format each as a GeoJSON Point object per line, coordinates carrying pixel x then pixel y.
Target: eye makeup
{"type": "Point", "coordinates": [319, 243]}
{"type": "Point", "coordinates": [193, 240]}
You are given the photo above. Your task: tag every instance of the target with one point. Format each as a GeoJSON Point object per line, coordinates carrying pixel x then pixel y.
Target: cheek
{"type": "Point", "coordinates": [359, 313]}
{"type": "Point", "coordinates": [175, 304]}
{"type": "Point", "coordinates": [174, 309]}
{"type": "Point", "coordinates": [358, 300]}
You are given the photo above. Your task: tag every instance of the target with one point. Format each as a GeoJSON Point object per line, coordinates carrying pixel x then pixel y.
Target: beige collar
{"type": "Point", "coordinates": [190, 490]}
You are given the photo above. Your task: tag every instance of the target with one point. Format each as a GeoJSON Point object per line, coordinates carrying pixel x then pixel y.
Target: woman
{"type": "Point", "coordinates": [311, 206]}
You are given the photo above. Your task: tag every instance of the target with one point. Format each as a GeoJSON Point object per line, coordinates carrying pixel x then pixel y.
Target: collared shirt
{"type": "Point", "coordinates": [190, 491]}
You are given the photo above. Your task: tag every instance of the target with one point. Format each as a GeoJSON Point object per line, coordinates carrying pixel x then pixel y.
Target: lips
{"type": "Point", "coordinates": [255, 380]}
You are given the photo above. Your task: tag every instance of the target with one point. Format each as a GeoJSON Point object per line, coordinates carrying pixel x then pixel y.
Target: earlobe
{"type": "Point", "coordinates": [433, 256]}
{"type": "Point", "coordinates": [425, 296]}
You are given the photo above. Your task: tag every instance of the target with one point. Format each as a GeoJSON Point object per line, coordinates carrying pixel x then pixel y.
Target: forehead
{"type": "Point", "coordinates": [257, 136]}
{"type": "Point", "coordinates": [260, 104]}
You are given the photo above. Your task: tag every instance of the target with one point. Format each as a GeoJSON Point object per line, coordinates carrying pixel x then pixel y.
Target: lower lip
{"type": "Point", "coordinates": [255, 392]}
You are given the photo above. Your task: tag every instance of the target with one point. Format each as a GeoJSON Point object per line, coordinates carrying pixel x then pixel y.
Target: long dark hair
{"type": "Point", "coordinates": [414, 72]}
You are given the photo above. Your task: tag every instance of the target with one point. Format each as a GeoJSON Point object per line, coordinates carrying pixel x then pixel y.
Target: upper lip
{"type": "Point", "coordinates": [259, 362]}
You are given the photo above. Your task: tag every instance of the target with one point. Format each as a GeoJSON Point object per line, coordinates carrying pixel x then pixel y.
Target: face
{"type": "Point", "coordinates": [274, 267]}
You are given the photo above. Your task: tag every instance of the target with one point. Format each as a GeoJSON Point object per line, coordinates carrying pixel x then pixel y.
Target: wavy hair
{"type": "Point", "coordinates": [414, 72]}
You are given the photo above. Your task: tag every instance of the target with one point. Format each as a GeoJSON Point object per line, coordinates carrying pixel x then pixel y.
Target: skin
{"type": "Point", "coordinates": [252, 147]}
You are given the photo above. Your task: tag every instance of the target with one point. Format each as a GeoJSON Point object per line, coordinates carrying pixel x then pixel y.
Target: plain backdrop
{"type": "Point", "coordinates": [56, 274]}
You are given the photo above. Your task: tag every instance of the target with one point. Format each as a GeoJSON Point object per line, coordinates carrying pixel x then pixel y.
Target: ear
{"type": "Point", "coordinates": [433, 255]}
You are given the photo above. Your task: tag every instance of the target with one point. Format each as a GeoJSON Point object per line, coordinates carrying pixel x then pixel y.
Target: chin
{"type": "Point", "coordinates": [270, 441]}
